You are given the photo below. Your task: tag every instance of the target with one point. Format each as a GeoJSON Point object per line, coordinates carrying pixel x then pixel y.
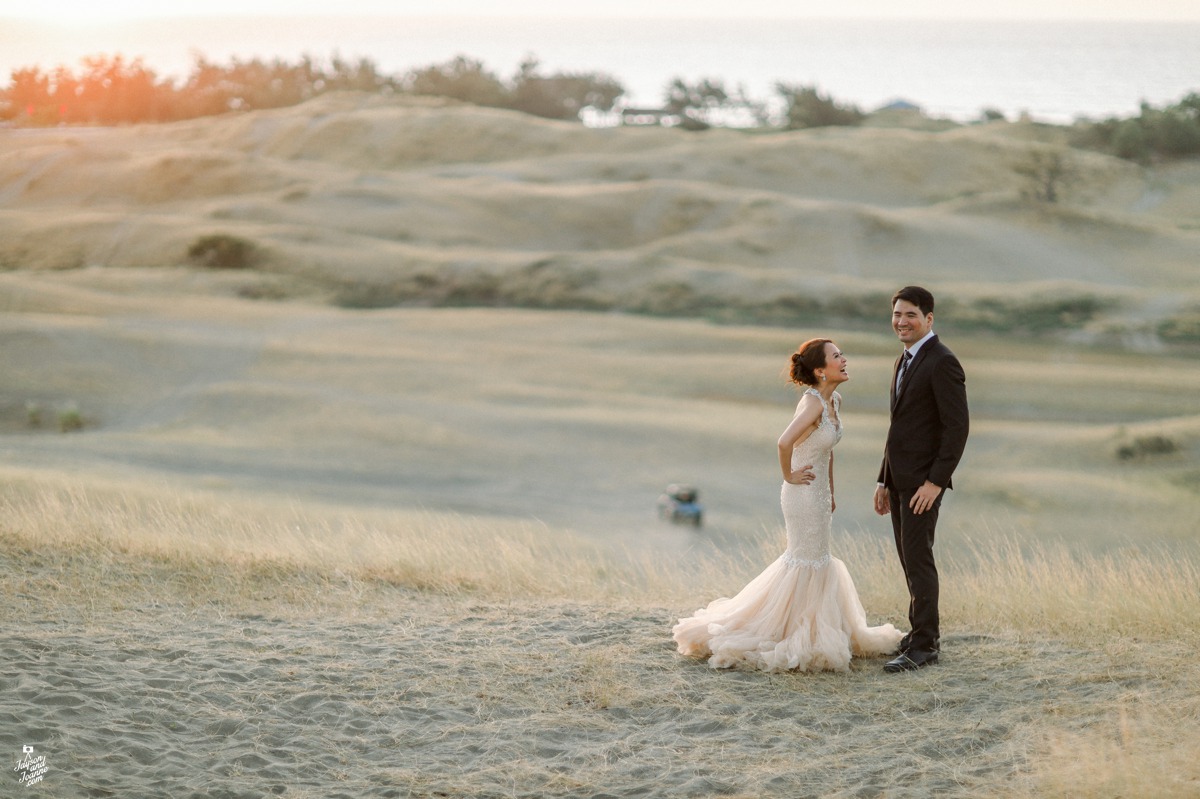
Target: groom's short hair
{"type": "Point", "coordinates": [917, 296]}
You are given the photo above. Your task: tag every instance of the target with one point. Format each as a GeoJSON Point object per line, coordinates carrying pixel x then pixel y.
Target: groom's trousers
{"type": "Point", "coordinates": [914, 544]}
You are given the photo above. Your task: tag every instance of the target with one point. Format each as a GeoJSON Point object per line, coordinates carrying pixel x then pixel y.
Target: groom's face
{"type": "Point", "coordinates": [909, 323]}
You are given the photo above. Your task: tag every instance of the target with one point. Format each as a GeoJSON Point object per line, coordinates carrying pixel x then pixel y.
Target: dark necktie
{"type": "Point", "coordinates": [903, 368]}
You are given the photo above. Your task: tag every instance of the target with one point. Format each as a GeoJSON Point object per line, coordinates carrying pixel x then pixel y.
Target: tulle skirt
{"type": "Point", "coordinates": [793, 616]}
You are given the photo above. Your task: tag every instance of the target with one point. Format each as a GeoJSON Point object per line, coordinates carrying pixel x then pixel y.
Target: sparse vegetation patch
{"type": "Point", "coordinates": [222, 251]}
{"type": "Point", "coordinates": [1143, 447]}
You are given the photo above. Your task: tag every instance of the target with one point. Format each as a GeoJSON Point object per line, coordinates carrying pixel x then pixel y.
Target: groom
{"type": "Point", "coordinates": [925, 441]}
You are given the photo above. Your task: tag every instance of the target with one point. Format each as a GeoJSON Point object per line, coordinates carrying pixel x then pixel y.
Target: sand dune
{"type": "Point", "coordinates": [402, 197]}
{"type": "Point", "coordinates": [137, 668]}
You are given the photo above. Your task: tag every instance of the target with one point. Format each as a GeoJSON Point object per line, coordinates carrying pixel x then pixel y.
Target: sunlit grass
{"type": "Point", "coordinates": [994, 583]}
{"type": "Point", "coordinates": [113, 546]}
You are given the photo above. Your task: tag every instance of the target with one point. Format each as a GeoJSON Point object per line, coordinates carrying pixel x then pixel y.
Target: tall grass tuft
{"type": "Point", "coordinates": [1051, 588]}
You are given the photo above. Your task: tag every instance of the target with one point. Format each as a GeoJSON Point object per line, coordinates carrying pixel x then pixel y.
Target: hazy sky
{"type": "Point", "coordinates": [116, 10]}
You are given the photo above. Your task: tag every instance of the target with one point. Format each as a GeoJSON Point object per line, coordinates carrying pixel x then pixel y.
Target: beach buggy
{"type": "Point", "coordinates": [679, 505]}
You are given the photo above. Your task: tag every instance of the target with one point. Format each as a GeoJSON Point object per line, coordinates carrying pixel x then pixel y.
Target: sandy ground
{"type": "Point", "coordinates": [379, 691]}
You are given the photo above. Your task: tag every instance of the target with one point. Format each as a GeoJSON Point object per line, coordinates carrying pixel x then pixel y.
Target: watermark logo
{"type": "Point", "coordinates": [31, 767]}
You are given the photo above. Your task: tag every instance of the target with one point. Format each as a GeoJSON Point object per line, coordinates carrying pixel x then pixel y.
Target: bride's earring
{"type": "Point", "coordinates": [822, 378]}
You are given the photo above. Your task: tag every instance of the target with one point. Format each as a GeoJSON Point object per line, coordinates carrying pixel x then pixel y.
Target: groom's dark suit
{"type": "Point", "coordinates": [928, 432]}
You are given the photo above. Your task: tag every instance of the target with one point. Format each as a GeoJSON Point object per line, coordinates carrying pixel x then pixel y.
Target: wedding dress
{"type": "Point", "coordinates": [802, 612]}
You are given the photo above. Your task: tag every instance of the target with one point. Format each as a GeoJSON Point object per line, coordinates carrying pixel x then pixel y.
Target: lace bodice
{"type": "Point", "coordinates": [822, 440]}
{"type": "Point", "coordinates": [807, 510]}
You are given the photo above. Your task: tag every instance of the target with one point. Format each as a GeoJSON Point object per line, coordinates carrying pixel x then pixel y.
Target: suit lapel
{"type": "Point", "coordinates": [911, 372]}
{"type": "Point", "coordinates": [892, 389]}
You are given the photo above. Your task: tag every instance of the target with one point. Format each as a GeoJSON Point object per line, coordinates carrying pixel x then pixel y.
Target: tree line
{"type": "Point", "coordinates": [111, 90]}
{"type": "Point", "coordinates": [1170, 132]}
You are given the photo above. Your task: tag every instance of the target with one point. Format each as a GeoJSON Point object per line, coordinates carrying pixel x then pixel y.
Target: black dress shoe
{"type": "Point", "coordinates": [910, 661]}
{"type": "Point", "coordinates": [905, 644]}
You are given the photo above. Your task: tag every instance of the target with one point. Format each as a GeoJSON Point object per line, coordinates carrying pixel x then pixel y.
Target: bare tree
{"type": "Point", "coordinates": [1048, 173]}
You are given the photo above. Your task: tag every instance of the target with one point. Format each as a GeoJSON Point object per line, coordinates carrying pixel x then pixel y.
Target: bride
{"type": "Point", "coordinates": [802, 612]}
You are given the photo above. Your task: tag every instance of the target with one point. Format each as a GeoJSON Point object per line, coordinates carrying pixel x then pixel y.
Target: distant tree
{"type": "Point", "coordinates": [1048, 173]}
{"type": "Point", "coordinates": [1170, 132]}
{"type": "Point", "coordinates": [806, 107]}
{"type": "Point", "coordinates": [257, 84]}
{"type": "Point", "coordinates": [461, 78]}
{"type": "Point", "coordinates": [1189, 107]}
{"type": "Point", "coordinates": [29, 93]}
{"type": "Point", "coordinates": [561, 95]}
{"type": "Point", "coordinates": [700, 97]}
{"type": "Point", "coordinates": [112, 91]}
{"type": "Point", "coordinates": [361, 76]}
{"type": "Point", "coordinates": [1129, 141]}
{"type": "Point", "coordinates": [709, 102]}
{"type": "Point", "coordinates": [1174, 132]}
{"type": "Point", "coordinates": [207, 90]}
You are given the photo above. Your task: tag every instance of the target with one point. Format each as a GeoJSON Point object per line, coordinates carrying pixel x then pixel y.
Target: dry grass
{"type": "Point", "coordinates": [1069, 674]}
{"type": "Point", "coordinates": [998, 584]}
{"type": "Point", "coordinates": [221, 543]}
{"type": "Point", "coordinates": [994, 582]}
{"type": "Point", "coordinates": [1145, 752]}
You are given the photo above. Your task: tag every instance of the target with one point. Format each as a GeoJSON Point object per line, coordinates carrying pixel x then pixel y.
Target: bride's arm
{"type": "Point", "coordinates": [807, 415]}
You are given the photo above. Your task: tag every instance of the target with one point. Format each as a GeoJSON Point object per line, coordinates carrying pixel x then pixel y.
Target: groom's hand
{"type": "Point", "coordinates": [883, 506]}
{"type": "Point", "coordinates": [924, 498]}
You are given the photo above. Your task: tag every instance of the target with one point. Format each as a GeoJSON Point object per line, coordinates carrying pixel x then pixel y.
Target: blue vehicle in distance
{"type": "Point", "coordinates": [680, 505]}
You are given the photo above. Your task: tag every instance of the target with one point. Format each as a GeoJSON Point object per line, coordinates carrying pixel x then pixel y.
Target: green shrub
{"type": "Point", "coordinates": [1089, 135]}
{"type": "Point", "coordinates": [1035, 315]}
{"type": "Point", "coordinates": [1145, 447]}
{"type": "Point", "coordinates": [1129, 141]}
{"type": "Point", "coordinates": [69, 418]}
{"type": "Point", "coordinates": [1170, 132]}
{"type": "Point", "coordinates": [1174, 134]}
{"type": "Point", "coordinates": [808, 108]}
{"type": "Point", "coordinates": [1048, 174]}
{"type": "Point", "coordinates": [1183, 327]}
{"type": "Point", "coordinates": [869, 306]}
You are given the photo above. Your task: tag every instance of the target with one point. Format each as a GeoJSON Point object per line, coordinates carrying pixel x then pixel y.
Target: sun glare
{"type": "Point", "coordinates": [76, 13]}
{"type": "Point", "coordinates": [89, 12]}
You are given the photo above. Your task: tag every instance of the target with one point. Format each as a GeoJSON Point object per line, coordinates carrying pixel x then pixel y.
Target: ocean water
{"type": "Point", "coordinates": [1052, 71]}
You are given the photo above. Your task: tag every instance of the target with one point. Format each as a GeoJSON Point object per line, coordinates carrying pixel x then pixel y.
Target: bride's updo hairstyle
{"type": "Point", "coordinates": [806, 360]}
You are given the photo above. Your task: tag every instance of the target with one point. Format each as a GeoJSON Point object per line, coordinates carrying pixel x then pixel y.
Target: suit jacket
{"type": "Point", "coordinates": [930, 422]}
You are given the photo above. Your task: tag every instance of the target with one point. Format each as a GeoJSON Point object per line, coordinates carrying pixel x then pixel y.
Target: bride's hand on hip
{"type": "Point", "coordinates": [802, 476]}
